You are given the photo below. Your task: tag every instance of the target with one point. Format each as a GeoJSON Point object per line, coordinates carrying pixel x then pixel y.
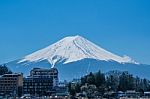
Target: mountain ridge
{"type": "Point", "coordinates": [74, 48]}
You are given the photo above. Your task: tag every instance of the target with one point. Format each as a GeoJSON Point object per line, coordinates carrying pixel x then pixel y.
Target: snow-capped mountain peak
{"type": "Point", "coordinates": [74, 48]}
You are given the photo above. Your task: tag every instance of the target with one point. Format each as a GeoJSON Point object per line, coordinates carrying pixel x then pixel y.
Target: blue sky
{"type": "Point", "coordinates": [120, 26]}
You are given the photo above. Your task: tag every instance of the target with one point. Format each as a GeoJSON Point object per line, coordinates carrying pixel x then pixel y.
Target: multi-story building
{"type": "Point", "coordinates": [41, 81]}
{"type": "Point", "coordinates": [11, 84]}
{"type": "Point", "coordinates": [45, 73]}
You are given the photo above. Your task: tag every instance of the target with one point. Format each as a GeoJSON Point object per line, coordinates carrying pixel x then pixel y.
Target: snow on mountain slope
{"type": "Point", "coordinates": [72, 49]}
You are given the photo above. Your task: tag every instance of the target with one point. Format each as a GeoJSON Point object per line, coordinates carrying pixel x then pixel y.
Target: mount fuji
{"type": "Point", "coordinates": [76, 56]}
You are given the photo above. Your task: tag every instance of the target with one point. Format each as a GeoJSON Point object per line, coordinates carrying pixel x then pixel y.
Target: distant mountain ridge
{"type": "Point", "coordinates": [75, 56]}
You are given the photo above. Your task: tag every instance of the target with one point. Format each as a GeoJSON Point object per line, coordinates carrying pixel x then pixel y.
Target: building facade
{"type": "Point", "coordinates": [11, 84]}
{"type": "Point", "coordinates": [41, 82]}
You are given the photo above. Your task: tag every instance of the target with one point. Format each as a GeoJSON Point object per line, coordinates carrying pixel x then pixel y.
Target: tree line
{"type": "Point", "coordinates": [99, 83]}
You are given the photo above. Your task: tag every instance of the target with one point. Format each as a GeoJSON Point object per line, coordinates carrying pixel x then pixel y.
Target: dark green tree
{"type": "Point", "coordinates": [126, 82]}
{"type": "Point", "coordinates": [99, 79]}
{"type": "Point", "coordinates": [71, 89]}
{"type": "Point", "coordinates": [145, 85]}
{"type": "Point", "coordinates": [112, 83]}
{"type": "Point", "coordinates": [77, 87]}
{"type": "Point", "coordinates": [4, 70]}
{"type": "Point", "coordinates": [83, 80]}
{"type": "Point", "coordinates": [91, 78]}
{"type": "Point", "coordinates": [137, 84]}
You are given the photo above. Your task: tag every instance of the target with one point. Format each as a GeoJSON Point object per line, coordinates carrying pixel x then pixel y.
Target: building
{"type": "Point", "coordinates": [45, 73]}
{"type": "Point", "coordinates": [41, 82]}
{"type": "Point", "coordinates": [11, 84]}
{"type": "Point", "coordinates": [62, 89]}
